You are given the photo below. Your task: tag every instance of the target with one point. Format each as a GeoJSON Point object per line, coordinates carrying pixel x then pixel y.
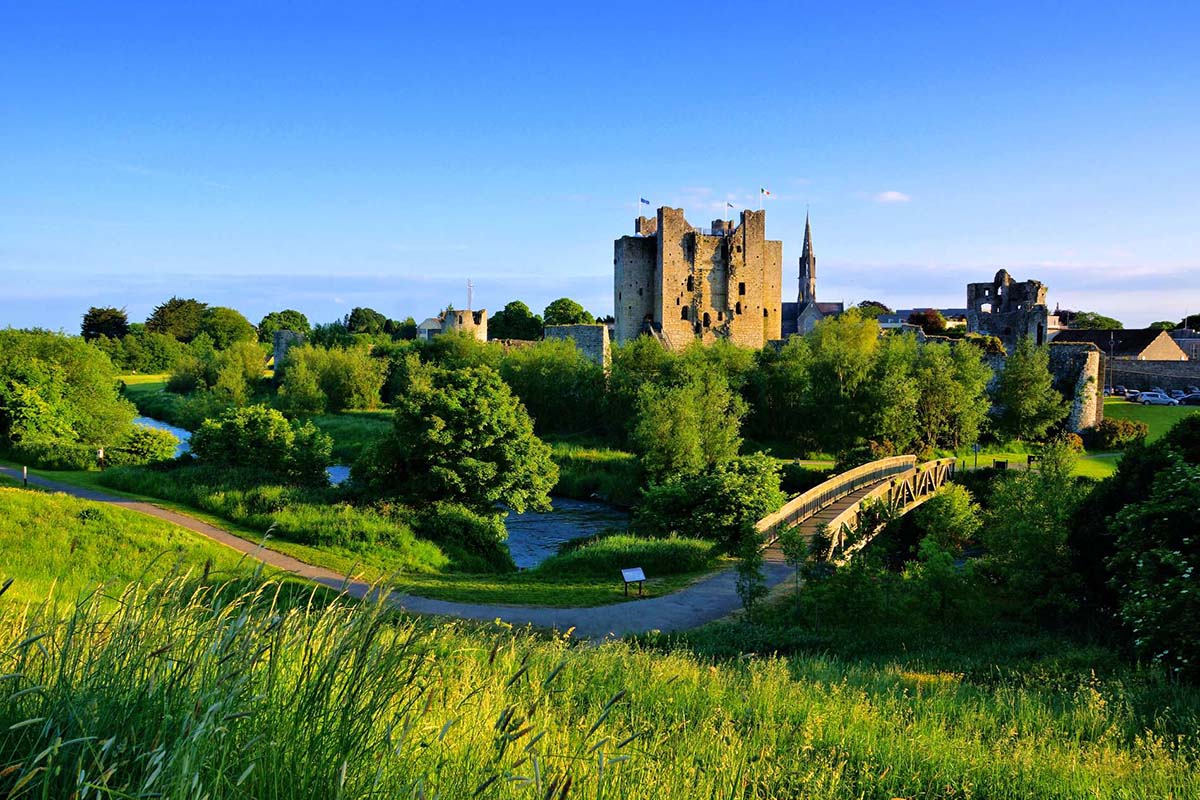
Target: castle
{"type": "Point", "coordinates": [1009, 310]}
{"type": "Point", "coordinates": [680, 283]}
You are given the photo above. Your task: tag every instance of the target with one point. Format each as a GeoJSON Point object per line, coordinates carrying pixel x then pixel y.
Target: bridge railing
{"type": "Point", "coordinates": [805, 505]}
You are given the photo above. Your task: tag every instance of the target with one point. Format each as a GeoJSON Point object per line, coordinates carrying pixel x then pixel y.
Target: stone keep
{"type": "Point", "coordinates": [283, 341]}
{"type": "Point", "coordinates": [681, 283]}
{"type": "Point", "coordinates": [1008, 310]}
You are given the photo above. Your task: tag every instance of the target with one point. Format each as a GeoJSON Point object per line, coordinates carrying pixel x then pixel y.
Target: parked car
{"type": "Point", "coordinates": [1118, 391]}
{"type": "Point", "coordinates": [1156, 399]}
{"type": "Point", "coordinates": [1159, 389]}
{"type": "Point", "coordinates": [1193, 390]}
{"type": "Point", "coordinates": [1177, 393]}
{"type": "Point", "coordinates": [1190, 399]}
{"type": "Point", "coordinates": [1132, 395]}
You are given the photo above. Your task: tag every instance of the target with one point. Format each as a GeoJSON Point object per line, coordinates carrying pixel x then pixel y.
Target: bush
{"type": "Point", "coordinates": [144, 446]}
{"type": "Point", "coordinates": [53, 454]}
{"type": "Point", "coordinates": [605, 556]}
{"type": "Point", "coordinates": [722, 505]}
{"type": "Point", "coordinates": [317, 379]}
{"type": "Point", "coordinates": [262, 438]}
{"type": "Point", "coordinates": [1117, 434]}
{"type": "Point", "coordinates": [456, 526]}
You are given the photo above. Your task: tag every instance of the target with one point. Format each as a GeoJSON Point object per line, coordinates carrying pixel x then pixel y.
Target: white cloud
{"type": "Point", "coordinates": [891, 196]}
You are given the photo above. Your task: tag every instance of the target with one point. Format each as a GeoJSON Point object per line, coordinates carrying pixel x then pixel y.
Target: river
{"type": "Point", "coordinates": [532, 537]}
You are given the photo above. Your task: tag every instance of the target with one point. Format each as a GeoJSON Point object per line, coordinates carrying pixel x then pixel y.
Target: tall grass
{"type": "Point", "coordinates": [604, 556]}
{"type": "Point", "coordinates": [305, 516]}
{"type": "Point", "coordinates": [188, 692]}
{"type": "Point", "coordinates": [587, 473]}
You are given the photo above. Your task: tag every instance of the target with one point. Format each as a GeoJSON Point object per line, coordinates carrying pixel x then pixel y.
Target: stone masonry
{"type": "Point", "coordinates": [681, 283]}
{"type": "Point", "coordinates": [283, 341]}
{"type": "Point", "coordinates": [591, 340]}
{"type": "Point", "coordinates": [1008, 310]}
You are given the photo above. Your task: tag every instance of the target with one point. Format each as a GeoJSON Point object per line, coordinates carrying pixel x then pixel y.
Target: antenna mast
{"type": "Point", "coordinates": [470, 294]}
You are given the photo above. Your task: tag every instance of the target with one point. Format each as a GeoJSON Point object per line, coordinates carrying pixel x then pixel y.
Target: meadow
{"type": "Point", "coordinates": [241, 693]}
{"type": "Point", "coordinates": [60, 547]}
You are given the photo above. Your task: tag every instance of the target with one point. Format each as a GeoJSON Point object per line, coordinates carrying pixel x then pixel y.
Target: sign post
{"type": "Point", "coordinates": [633, 575]}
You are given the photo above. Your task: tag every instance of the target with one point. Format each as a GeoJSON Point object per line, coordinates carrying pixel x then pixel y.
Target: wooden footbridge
{"type": "Point", "coordinates": [893, 486]}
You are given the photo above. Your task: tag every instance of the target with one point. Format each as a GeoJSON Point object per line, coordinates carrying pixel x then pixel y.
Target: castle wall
{"type": "Point", "coordinates": [1078, 371]}
{"type": "Point", "coordinates": [634, 284]}
{"type": "Point", "coordinates": [1144, 374]}
{"type": "Point", "coordinates": [591, 340]}
{"type": "Point", "coordinates": [676, 264]}
{"type": "Point", "coordinates": [473, 322]}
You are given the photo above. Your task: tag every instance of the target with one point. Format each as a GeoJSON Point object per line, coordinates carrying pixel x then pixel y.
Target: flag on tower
{"type": "Point", "coordinates": [728, 204]}
{"type": "Point", "coordinates": [645, 202]}
{"type": "Point", "coordinates": [764, 191]}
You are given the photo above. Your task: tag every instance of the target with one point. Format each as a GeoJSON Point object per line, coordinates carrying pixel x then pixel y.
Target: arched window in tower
{"type": "Point", "coordinates": [707, 319]}
{"type": "Point", "coordinates": [691, 284]}
{"type": "Point", "coordinates": [683, 313]}
{"type": "Point", "coordinates": [737, 309]}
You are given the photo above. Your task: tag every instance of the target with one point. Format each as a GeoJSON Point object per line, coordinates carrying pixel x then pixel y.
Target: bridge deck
{"type": "Point", "coordinates": [823, 517]}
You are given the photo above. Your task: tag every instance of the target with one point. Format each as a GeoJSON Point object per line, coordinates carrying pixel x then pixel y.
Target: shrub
{"type": "Point", "coordinates": [1117, 434]}
{"type": "Point", "coordinates": [143, 446]}
{"type": "Point", "coordinates": [53, 454]}
{"type": "Point", "coordinates": [605, 556]}
{"type": "Point", "coordinates": [262, 438]}
{"type": "Point", "coordinates": [722, 505]}
{"type": "Point", "coordinates": [1072, 441]}
{"type": "Point", "coordinates": [459, 527]}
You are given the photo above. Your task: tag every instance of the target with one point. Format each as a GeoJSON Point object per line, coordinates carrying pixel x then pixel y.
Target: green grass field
{"type": "Point", "coordinates": [352, 431]}
{"type": "Point", "coordinates": [227, 694]}
{"type": "Point", "coordinates": [51, 540]}
{"type": "Point", "coordinates": [1159, 418]}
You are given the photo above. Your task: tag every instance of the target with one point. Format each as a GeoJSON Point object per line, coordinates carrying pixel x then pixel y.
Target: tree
{"type": "Point", "coordinates": [58, 388]}
{"type": "Point", "coordinates": [110, 322]}
{"type": "Point", "coordinates": [1155, 565]}
{"type": "Point", "coordinates": [1025, 532]}
{"type": "Point", "coordinates": [178, 318]}
{"type": "Point", "coordinates": [683, 429]}
{"type": "Point", "coordinates": [565, 311]}
{"type": "Point", "coordinates": [226, 326]}
{"type": "Point", "coordinates": [1028, 404]}
{"type": "Point", "coordinates": [929, 320]}
{"type": "Point", "coordinates": [286, 320]}
{"type": "Point", "coordinates": [1088, 320]}
{"type": "Point", "coordinates": [262, 439]}
{"type": "Point", "coordinates": [365, 320]}
{"type": "Point", "coordinates": [1162, 325]}
{"type": "Point", "coordinates": [515, 321]}
{"type": "Point", "coordinates": [873, 308]}
{"type": "Point", "coordinates": [951, 517]}
{"type": "Point", "coordinates": [405, 329]}
{"type": "Point", "coordinates": [562, 389]}
{"type": "Point", "coordinates": [952, 389]}
{"type": "Point", "coordinates": [460, 436]}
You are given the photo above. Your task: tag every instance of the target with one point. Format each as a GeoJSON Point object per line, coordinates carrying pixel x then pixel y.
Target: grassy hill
{"type": "Point", "coordinates": [68, 546]}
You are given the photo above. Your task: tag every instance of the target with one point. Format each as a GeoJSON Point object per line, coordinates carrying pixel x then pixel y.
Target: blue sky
{"type": "Point", "coordinates": [322, 156]}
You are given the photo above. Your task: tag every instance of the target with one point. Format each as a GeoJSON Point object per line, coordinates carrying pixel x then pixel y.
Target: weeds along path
{"type": "Point", "coordinates": [704, 601]}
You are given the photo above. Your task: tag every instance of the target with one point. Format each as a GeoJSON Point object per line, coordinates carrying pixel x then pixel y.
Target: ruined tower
{"type": "Point", "coordinates": [1008, 309]}
{"type": "Point", "coordinates": [681, 283]}
{"type": "Point", "coordinates": [808, 267]}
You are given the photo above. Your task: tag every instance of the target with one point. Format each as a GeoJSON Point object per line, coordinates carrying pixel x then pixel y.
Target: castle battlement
{"type": "Point", "coordinates": [683, 283]}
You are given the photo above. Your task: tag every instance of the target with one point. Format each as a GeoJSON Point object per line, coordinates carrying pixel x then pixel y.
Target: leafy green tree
{"type": "Point", "coordinates": [634, 364]}
{"type": "Point", "coordinates": [722, 503]}
{"type": "Point", "coordinates": [286, 320]}
{"type": "Point", "coordinates": [751, 584]}
{"type": "Point", "coordinates": [145, 446]}
{"type": "Point", "coordinates": [261, 438]}
{"type": "Point", "coordinates": [178, 318]}
{"type": "Point", "coordinates": [873, 308]}
{"type": "Point", "coordinates": [515, 321]}
{"type": "Point", "coordinates": [58, 388]}
{"type": "Point", "coordinates": [893, 394]}
{"type": "Point", "coordinates": [1028, 404]}
{"type": "Point", "coordinates": [300, 391]}
{"type": "Point", "coordinates": [226, 326]}
{"type": "Point", "coordinates": [460, 436]}
{"type": "Point", "coordinates": [1162, 325]}
{"type": "Point", "coordinates": [1089, 320]}
{"type": "Point", "coordinates": [405, 330]}
{"type": "Point", "coordinates": [365, 320]}
{"type": "Point", "coordinates": [1155, 568]}
{"type": "Point", "coordinates": [1025, 532]}
{"type": "Point", "coordinates": [110, 322]}
{"type": "Point", "coordinates": [562, 389]}
{"type": "Point", "coordinates": [843, 350]}
{"type": "Point", "coordinates": [951, 517]}
{"type": "Point", "coordinates": [952, 387]}
{"type": "Point", "coordinates": [683, 429]}
{"type": "Point", "coordinates": [331, 380]}
{"type": "Point", "coordinates": [565, 311]}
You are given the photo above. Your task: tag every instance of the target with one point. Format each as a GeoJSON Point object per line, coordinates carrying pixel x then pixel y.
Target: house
{"type": "Point", "coordinates": [1138, 344]}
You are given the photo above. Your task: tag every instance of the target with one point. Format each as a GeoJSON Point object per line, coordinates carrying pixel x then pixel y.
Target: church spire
{"type": "Point", "coordinates": [808, 267]}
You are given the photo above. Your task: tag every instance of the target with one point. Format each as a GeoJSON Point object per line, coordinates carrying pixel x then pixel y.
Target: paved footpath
{"type": "Point", "coordinates": [704, 601]}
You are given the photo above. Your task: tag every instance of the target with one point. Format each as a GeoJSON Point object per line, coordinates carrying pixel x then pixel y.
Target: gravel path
{"type": "Point", "coordinates": [706, 600]}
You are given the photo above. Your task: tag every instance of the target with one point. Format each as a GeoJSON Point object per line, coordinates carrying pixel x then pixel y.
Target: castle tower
{"type": "Point", "coordinates": [808, 267]}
